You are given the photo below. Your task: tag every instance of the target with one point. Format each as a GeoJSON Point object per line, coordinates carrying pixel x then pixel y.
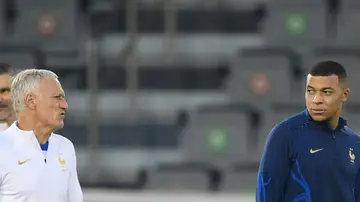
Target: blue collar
{"type": "Point", "coordinates": [44, 147]}
{"type": "Point", "coordinates": [341, 124]}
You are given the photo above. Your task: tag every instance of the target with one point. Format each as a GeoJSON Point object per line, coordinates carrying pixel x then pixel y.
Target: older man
{"type": "Point", "coordinates": [37, 165]}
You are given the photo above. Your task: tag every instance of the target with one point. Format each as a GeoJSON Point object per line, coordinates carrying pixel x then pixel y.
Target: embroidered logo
{"type": "Point", "coordinates": [352, 156]}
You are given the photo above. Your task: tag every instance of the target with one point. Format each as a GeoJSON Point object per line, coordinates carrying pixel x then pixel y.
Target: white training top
{"type": "Point", "coordinates": [25, 174]}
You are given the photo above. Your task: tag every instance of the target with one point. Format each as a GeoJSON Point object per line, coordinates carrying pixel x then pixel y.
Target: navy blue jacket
{"type": "Point", "coordinates": [307, 161]}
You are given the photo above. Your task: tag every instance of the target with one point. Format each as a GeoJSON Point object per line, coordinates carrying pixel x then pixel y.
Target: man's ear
{"type": "Point", "coordinates": [346, 95]}
{"type": "Point", "coordinates": [30, 101]}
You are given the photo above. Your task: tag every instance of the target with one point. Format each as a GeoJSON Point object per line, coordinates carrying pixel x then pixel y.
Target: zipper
{"type": "Point", "coordinates": [334, 140]}
{"type": "Point", "coordinates": [42, 155]}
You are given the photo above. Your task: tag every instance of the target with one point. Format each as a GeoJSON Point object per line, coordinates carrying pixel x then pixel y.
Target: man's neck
{"type": "Point", "coordinates": [334, 121]}
{"type": "Point", "coordinates": [41, 132]}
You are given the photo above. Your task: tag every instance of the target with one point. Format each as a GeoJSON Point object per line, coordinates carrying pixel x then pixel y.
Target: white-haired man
{"type": "Point", "coordinates": [37, 165]}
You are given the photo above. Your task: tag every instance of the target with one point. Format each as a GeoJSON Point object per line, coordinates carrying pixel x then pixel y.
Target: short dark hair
{"type": "Point", "coordinates": [328, 68]}
{"type": "Point", "coordinates": [6, 68]}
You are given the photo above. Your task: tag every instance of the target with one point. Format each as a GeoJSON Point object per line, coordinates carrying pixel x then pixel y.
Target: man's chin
{"type": "Point", "coordinates": [3, 117]}
{"type": "Point", "coordinates": [58, 125]}
{"type": "Point", "coordinates": [319, 117]}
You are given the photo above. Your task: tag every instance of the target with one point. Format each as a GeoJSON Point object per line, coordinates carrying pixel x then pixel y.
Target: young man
{"type": "Point", "coordinates": [313, 156]}
{"type": "Point", "coordinates": [36, 164]}
{"type": "Point", "coordinates": [7, 115]}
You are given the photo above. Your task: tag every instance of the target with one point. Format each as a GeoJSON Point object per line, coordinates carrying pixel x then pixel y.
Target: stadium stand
{"type": "Point", "coordinates": [179, 94]}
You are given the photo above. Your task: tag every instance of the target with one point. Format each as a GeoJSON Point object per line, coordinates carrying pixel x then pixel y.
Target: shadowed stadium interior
{"type": "Point", "coordinates": [169, 95]}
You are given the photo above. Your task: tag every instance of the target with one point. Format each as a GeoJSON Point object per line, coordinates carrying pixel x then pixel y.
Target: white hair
{"type": "Point", "coordinates": [26, 82]}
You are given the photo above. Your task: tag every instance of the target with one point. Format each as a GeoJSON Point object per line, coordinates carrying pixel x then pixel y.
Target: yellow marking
{"type": "Point", "coordinates": [62, 162]}
{"type": "Point", "coordinates": [314, 151]}
{"type": "Point", "coordinates": [22, 162]}
{"type": "Point", "coordinates": [352, 156]}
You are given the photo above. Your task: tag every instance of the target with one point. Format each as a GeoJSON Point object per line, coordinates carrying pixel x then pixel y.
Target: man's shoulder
{"type": "Point", "coordinates": [353, 136]}
{"type": "Point", "coordinates": [287, 127]}
{"type": "Point", "coordinates": [293, 121]}
{"type": "Point", "coordinates": [349, 131]}
{"type": "Point", "coordinates": [5, 138]}
{"type": "Point", "coordinates": [63, 141]}
{"type": "Point", "coordinates": [6, 145]}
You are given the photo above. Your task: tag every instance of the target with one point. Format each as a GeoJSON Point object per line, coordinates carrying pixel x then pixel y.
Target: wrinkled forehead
{"type": "Point", "coordinates": [321, 82]}
{"type": "Point", "coordinates": [51, 86]}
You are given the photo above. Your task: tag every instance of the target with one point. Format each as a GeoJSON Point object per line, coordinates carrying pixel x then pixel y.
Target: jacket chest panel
{"type": "Point", "coordinates": [324, 156]}
{"type": "Point", "coordinates": [28, 172]}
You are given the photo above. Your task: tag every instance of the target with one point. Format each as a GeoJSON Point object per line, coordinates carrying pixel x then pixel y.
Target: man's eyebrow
{"type": "Point", "coordinates": [328, 88]}
{"type": "Point", "coordinates": [324, 88]}
{"type": "Point", "coordinates": [5, 89]}
{"type": "Point", "coordinates": [59, 94]}
{"type": "Point", "coordinates": [308, 86]}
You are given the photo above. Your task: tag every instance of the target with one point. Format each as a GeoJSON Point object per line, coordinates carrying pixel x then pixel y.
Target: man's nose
{"type": "Point", "coordinates": [64, 105]}
{"type": "Point", "coordinates": [1, 98]}
{"type": "Point", "coordinates": [318, 99]}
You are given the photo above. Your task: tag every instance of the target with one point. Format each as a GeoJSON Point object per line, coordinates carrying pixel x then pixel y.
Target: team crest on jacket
{"type": "Point", "coordinates": [62, 161]}
{"type": "Point", "coordinates": [352, 156]}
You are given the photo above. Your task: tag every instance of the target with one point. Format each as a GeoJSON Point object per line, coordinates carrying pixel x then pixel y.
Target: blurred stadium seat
{"type": "Point", "coordinates": [179, 178]}
{"type": "Point", "coordinates": [352, 115]}
{"type": "Point", "coordinates": [22, 56]}
{"type": "Point", "coordinates": [236, 180]}
{"type": "Point", "coordinates": [348, 31]}
{"type": "Point", "coordinates": [255, 79]}
{"type": "Point", "coordinates": [50, 24]}
{"type": "Point", "coordinates": [2, 21]}
{"type": "Point", "coordinates": [295, 23]}
{"type": "Point", "coordinates": [218, 135]}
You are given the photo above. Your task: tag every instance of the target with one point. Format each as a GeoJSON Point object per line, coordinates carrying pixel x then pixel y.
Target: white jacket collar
{"type": "Point", "coordinates": [24, 136]}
